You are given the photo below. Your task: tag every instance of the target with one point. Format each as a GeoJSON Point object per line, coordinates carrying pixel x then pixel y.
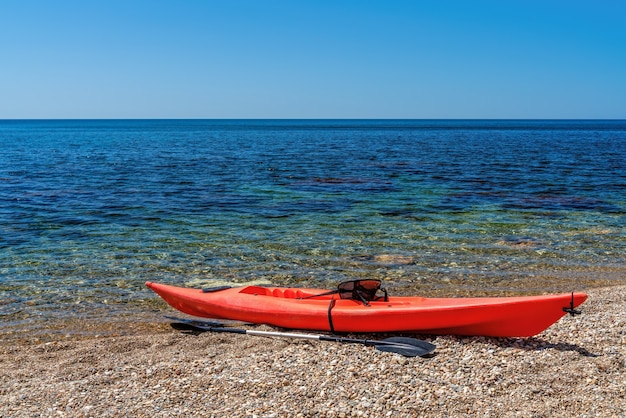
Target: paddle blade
{"type": "Point", "coordinates": [406, 346]}
{"type": "Point", "coordinates": [206, 323]}
{"type": "Point", "coordinates": [188, 328]}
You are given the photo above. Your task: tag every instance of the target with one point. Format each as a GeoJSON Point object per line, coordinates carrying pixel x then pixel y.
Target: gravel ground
{"type": "Point", "coordinates": [575, 368]}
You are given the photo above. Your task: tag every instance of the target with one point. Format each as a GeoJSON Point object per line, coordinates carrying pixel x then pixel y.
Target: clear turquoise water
{"type": "Point", "coordinates": [90, 210]}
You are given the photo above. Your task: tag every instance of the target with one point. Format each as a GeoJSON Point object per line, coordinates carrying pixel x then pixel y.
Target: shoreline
{"type": "Point", "coordinates": [148, 316]}
{"type": "Point", "coordinates": [575, 368]}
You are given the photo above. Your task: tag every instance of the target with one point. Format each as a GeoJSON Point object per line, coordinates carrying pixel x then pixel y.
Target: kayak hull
{"type": "Point", "coordinates": [522, 316]}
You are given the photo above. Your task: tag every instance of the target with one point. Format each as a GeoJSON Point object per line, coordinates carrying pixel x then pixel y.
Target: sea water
{"type": "Point", "coordinates": [91, 209]}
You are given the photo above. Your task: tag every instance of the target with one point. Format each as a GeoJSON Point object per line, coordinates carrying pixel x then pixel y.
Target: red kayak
{"type": "Point", "coordinates": [324, 310]}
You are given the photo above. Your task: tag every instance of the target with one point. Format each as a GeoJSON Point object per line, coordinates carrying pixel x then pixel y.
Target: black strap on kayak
{"type": "Point", "coordinates": [330, 317]}
{"type": "Point", "coordinates": [331, 292]}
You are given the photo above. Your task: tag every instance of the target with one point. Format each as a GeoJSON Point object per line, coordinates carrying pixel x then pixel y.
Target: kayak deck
{"type": "Point", "coordinates": [303, 308]}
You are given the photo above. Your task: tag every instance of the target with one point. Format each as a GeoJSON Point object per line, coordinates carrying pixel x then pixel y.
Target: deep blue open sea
{"type": "Point", "coordinates": [91, 209]}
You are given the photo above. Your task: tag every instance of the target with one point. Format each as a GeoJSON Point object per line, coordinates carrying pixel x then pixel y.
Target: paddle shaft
{"type": "Point", "coordinates": [272, 334]}
{"type": "Point", "coordinates": [412, 346]}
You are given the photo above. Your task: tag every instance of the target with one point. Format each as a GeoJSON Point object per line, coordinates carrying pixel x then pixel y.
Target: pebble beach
{"type": "Point", "coordinates": [575, 368]}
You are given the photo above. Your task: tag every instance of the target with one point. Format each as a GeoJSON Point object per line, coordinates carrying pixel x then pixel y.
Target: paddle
{"type": "Point", "coordinates": [408, 347]}
{"type": "Point", "coordinates": [206, 323]}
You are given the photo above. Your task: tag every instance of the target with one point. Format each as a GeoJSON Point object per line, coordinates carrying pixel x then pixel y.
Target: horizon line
{"type": "Point", "coordinates": [314, 119]}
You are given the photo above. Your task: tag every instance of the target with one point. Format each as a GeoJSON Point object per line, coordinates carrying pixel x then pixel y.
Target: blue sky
{"type": "Point", "coordinates": [312, 59]}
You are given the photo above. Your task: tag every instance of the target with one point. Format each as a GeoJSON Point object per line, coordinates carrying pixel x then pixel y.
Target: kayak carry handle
{"type": "Point", "coordinates": [215, 289]}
